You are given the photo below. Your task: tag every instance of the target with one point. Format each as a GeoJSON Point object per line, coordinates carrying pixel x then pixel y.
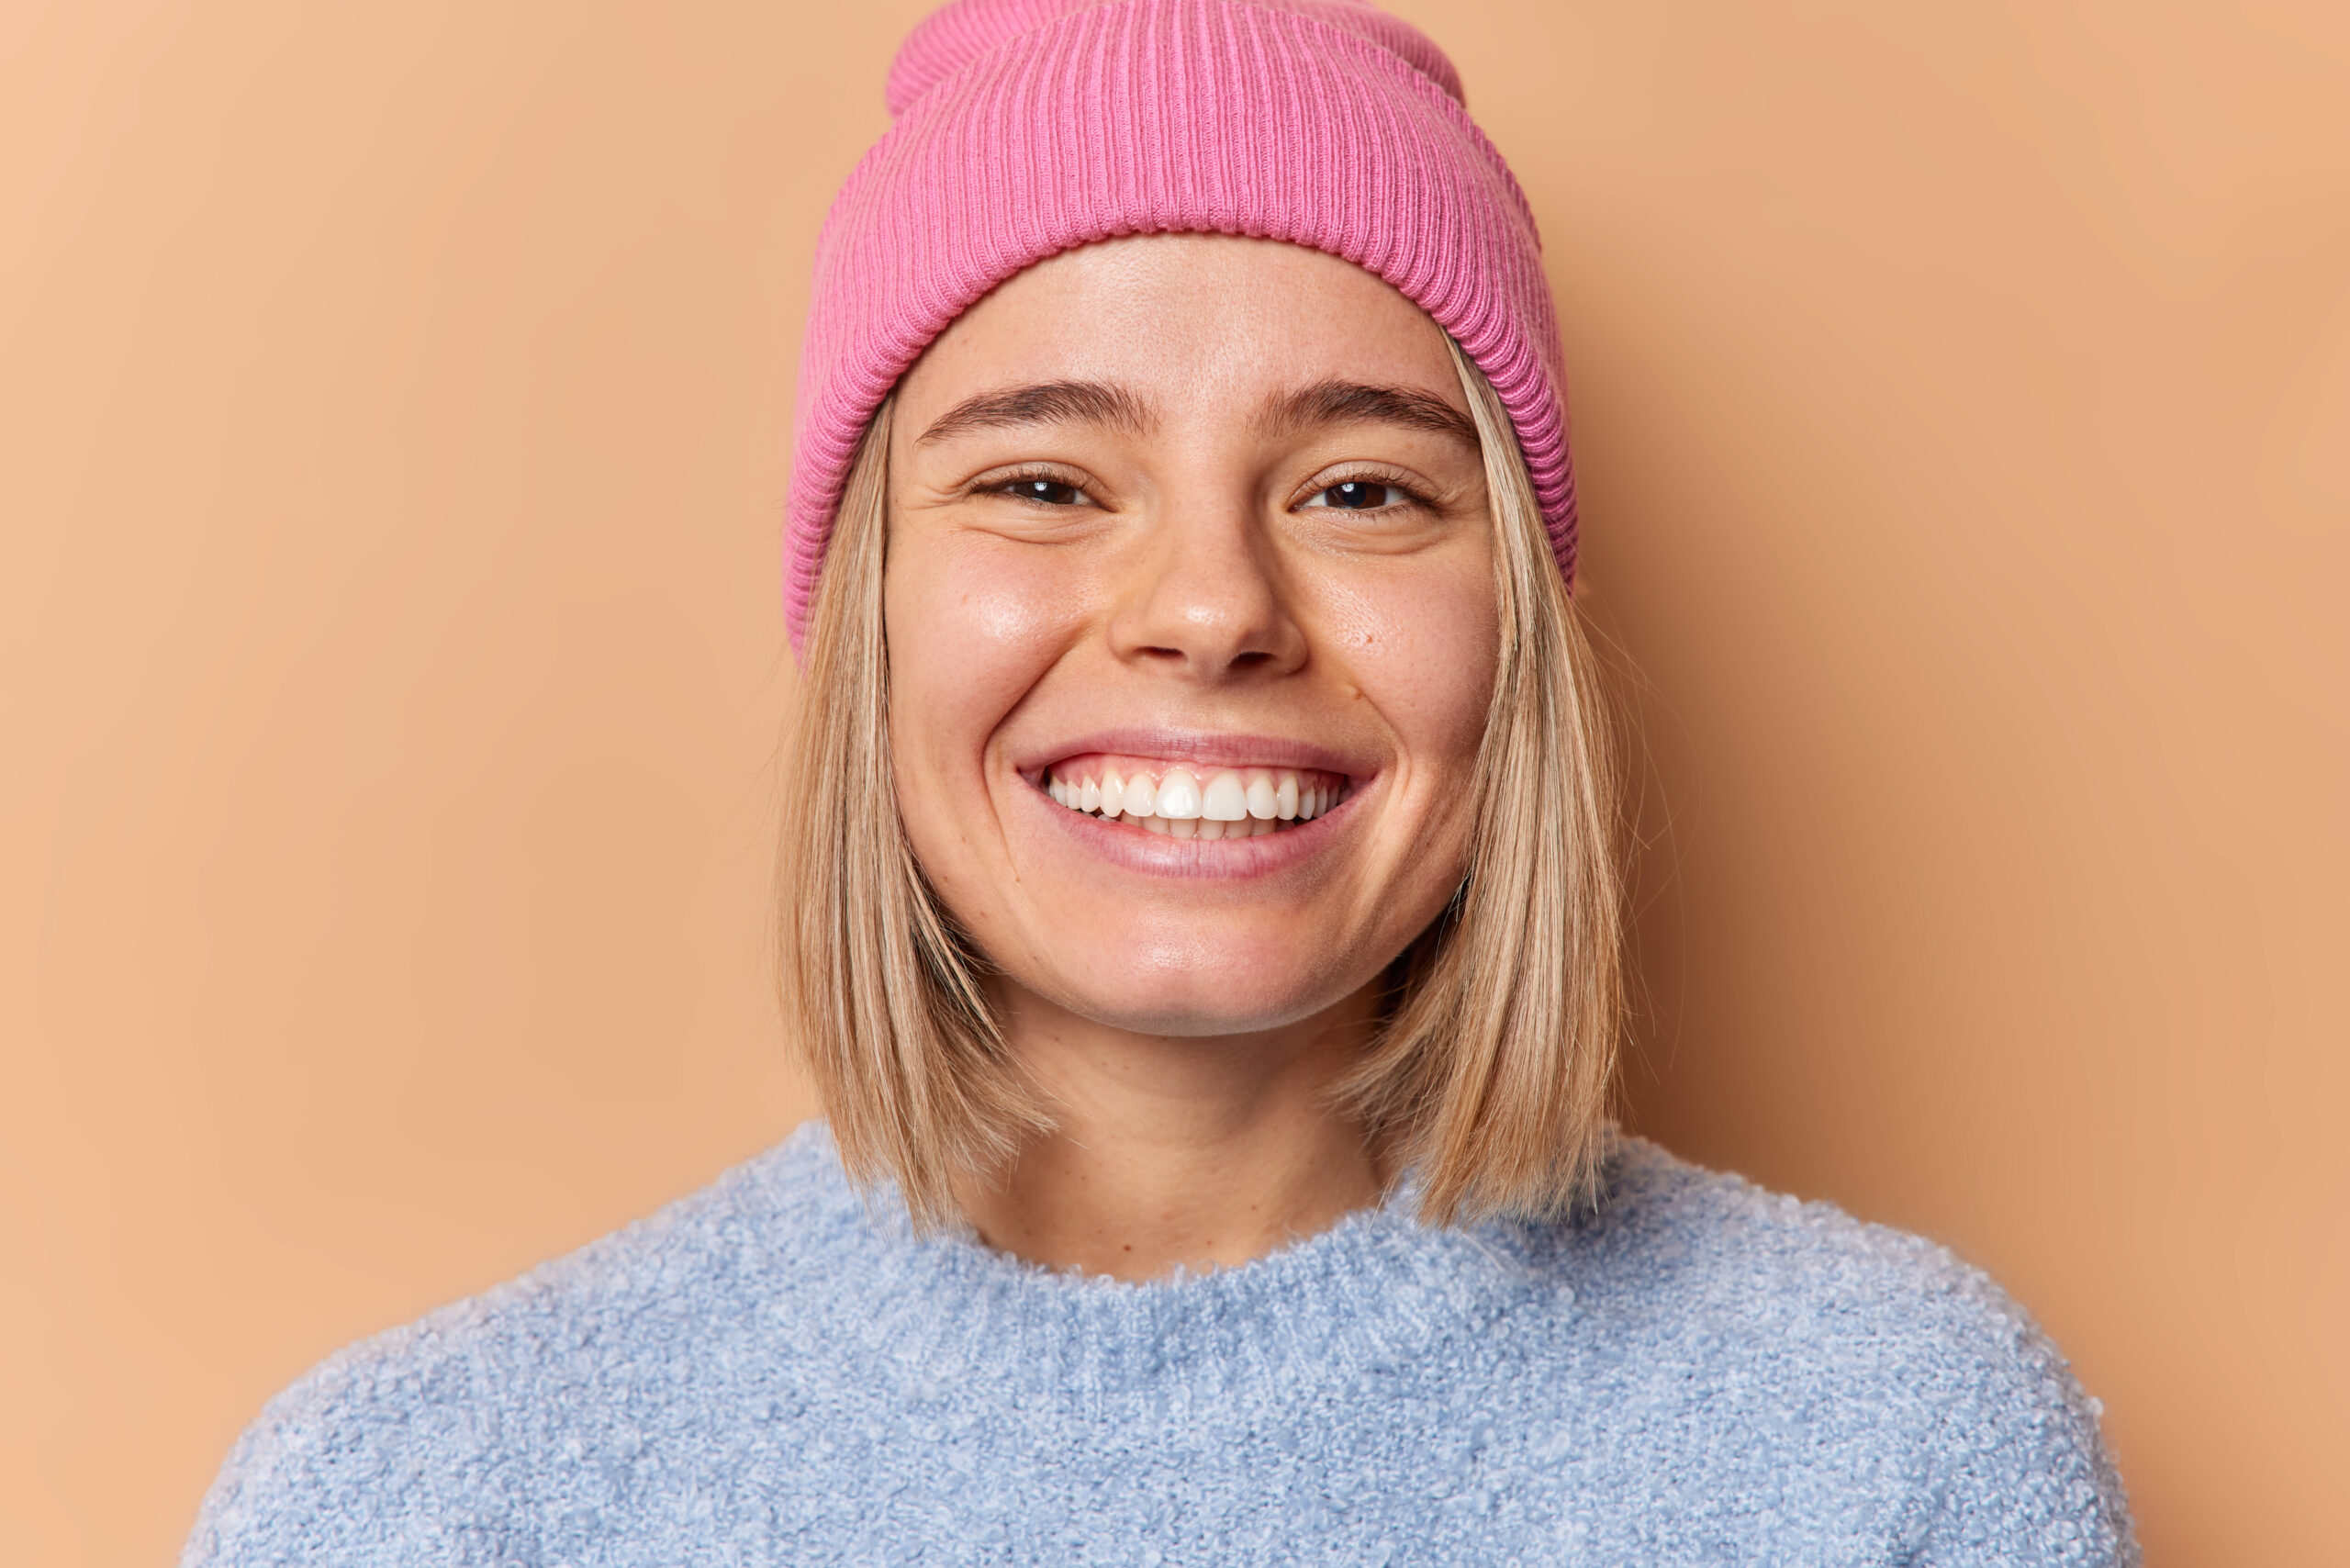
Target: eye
{"type": "Point", "coordinates": [1044, 490]}
{"type": "Point", "coordinates": [1360, 495]}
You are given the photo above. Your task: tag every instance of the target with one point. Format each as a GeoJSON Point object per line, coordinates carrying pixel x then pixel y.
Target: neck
{"type": "Point", "coordinates": [1176, 1151]}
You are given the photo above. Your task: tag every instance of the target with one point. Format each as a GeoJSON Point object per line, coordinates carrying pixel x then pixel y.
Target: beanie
{"type": "Point", "coordinates": [1021, 128]}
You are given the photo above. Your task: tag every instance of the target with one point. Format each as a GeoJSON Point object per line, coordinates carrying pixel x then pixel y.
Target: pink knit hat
{"type": "Point", "coordinates": [1027, 128]}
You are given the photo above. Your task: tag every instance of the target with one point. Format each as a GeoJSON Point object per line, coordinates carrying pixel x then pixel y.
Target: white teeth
{"type": "Point", "coordinates": [1262, 802]}
{"type": "Point", "coordinates": [1226, 799]}
{"type": "Point", "coordinates": [1179, 796]}
{"type": "Point", "coordinates": [1232, 803]}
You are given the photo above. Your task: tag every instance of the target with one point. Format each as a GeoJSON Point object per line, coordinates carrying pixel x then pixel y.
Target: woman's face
{"type": "Point", "coordinates": [1201, 519]}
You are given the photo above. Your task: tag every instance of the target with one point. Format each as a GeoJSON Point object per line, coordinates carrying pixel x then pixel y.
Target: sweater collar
{"type": "Point", "coordinates": [1376, 1291]}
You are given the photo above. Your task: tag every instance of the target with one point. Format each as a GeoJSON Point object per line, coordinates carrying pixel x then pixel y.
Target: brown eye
{"type": "Point", "coordinates": [1046, 492]}
{"type": "Point", "coordinates": [1358, 495]}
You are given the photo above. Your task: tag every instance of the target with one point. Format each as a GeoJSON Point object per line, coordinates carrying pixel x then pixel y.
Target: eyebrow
{"type": "Point", "coordinates": [1045, 403]}
{"type": "Point", "coordinates": [1351, 402]}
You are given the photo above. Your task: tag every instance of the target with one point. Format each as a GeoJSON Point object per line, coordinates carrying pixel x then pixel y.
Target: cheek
{"type": "Point", "coordinates": [1422, 649]}
{"type": "Point", "coordinates": [973, 624]}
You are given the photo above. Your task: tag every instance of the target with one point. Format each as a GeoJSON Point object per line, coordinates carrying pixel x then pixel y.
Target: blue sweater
{"type": "Point", "coordinates": [769, 1372]}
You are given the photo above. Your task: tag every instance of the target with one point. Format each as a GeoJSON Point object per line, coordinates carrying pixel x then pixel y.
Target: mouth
{"type": "Point", "coordinates": [1185, 799]}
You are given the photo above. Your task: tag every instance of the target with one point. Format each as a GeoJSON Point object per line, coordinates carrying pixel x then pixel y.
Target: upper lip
{"type": "Point", "coordinates": [1204, 748]}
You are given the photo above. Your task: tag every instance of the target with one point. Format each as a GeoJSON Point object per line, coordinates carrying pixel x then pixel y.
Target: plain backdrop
{"type": "Point", "coordinates": [393, 409]}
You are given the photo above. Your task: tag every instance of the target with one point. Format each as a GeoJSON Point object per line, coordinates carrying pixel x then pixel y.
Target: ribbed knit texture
{"type": "Point", "coordinates": [766, 1373]}
{"type": "Point", "coordinates": [1027, 128]}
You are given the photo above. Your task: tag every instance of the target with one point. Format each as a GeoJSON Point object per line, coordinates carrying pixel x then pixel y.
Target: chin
{"type": "Point", "coordinates": [1198, 1000]}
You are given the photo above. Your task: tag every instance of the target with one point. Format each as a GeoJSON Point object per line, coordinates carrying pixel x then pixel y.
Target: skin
{"type": "Point", "coordinates": [1163, 559]}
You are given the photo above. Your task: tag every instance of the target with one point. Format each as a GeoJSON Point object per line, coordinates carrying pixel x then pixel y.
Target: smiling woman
{"type": "Point", "coordinates": [1197, 643]}
{"type": "Point", "coordinates": [1202, 903]}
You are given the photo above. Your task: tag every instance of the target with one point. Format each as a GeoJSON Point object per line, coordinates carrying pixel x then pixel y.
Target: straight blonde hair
{"type": "Point", "coordinates": [1490, 1074]}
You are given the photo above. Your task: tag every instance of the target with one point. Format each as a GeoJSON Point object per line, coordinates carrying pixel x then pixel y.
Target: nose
{"type": "Point", "coordinates": [1204, 599]}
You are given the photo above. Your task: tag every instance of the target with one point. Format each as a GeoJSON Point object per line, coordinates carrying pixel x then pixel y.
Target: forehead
{"type": "Point", "coordinates": [1186, 322]}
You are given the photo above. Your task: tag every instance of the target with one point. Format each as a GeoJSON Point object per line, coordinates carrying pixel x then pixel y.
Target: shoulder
{"type": "Point", "coordinates": [1863, 1351]}
{"type": "Point", "coordinates": [1674, 1239]}
{"type": "Point", "coordinates": [405, 1446]}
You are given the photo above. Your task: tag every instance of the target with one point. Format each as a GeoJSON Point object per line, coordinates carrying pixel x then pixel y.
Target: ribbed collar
{"type": "Point", "coordinates": [1375, 1291]}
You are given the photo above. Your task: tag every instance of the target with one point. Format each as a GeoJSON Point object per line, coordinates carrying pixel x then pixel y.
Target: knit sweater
{"type": "Point", "coordinates": [776, 1369]}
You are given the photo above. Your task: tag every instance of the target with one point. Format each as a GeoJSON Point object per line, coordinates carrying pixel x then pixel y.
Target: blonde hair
{"type": "Point", "coordinates": [1491, 1072]}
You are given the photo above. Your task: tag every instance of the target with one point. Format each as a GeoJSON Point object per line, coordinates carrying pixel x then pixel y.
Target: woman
{"type": "Point", "coordinates": [1202, 924]}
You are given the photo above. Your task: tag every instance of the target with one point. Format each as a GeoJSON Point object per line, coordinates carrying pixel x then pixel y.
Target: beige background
{"type": "Point", "coordinates": [393, 404]}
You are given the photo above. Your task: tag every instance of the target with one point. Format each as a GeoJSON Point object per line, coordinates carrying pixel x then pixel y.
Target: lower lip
{"type": "Point", "coordinates": [1161, 854]}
